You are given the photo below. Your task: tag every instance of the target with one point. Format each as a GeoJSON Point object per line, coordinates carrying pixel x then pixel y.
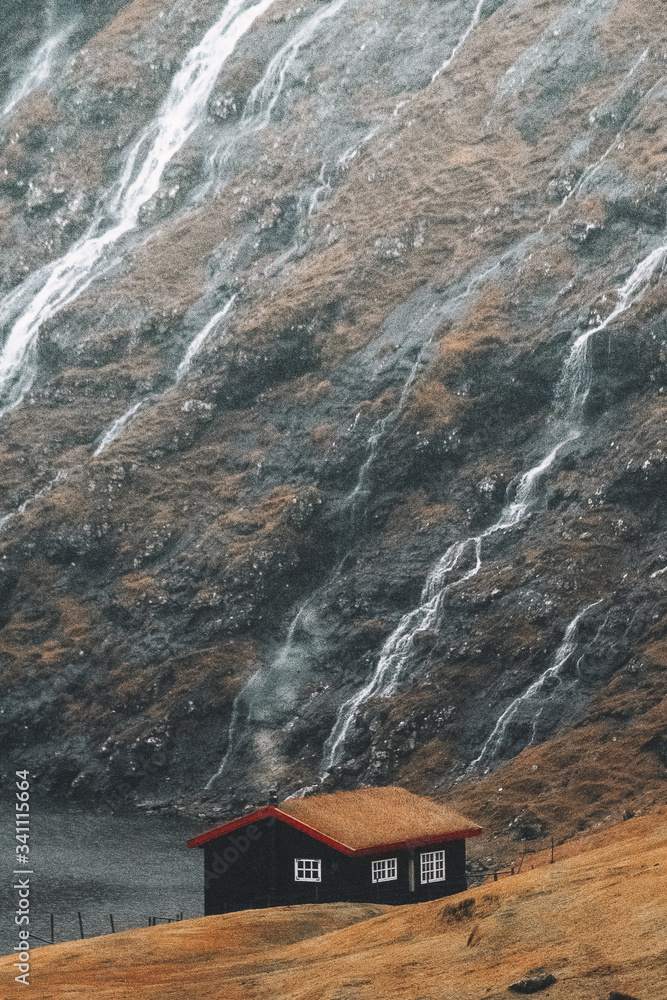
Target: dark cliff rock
{"type": "Point", "coordinates": [338, 331]}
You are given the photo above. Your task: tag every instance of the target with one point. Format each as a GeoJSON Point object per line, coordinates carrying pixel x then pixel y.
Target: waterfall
{"type": "Point", "coordinates": [256, 116]}
{"type": "Point", "coordinates": [39, 66]}
{"type": "Point", "coordinates": [118, 426]}
{"type": "Point", "coordinates": [61, 282]}
{"type": "Point", "coordinates": [244, 697]}
{"type": "Point", "coordinates": [231, 733]}
{"type": "Point", "coordinates": [197, 342]}
{"type": "Point", "coordinates": [429, 321]}
{"type": "Point", "coordinates": [36, 73]}
{"type": "Point", "coordinates": [398, 647]}
{"type": "Point", "coordinates": [265, 94]}
{"type": "Point", "coordinates": [568, 419]}
{"type": "Point", "coordinates": [531, 702]}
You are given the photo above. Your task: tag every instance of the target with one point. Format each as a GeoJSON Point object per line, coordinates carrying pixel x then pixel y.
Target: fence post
{"type": "Point", "coordinates": [495, 876]}
{"type": "Point", "coordinates": [552, 851]}
{"type": "Point", "coordinates": [113, 929]}
{"type": "Point", "coordinates": [80, 923]}
{"type": "Point", "coordinates": [52, 931]}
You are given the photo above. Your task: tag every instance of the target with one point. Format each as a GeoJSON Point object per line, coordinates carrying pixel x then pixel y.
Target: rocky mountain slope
{"type": "Point", "coordinates": [332, 398]}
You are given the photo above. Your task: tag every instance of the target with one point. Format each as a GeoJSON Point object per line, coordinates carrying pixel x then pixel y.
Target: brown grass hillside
{"type": "Point", "coordinates": [596, 919]}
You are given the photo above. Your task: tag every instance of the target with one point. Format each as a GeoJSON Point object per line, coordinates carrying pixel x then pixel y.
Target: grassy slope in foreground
{"type": "Point", "coordinates": [597, 919]}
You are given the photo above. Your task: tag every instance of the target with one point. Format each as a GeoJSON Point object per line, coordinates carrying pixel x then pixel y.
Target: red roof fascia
{"type": "Point", "coordinates": [267, 811]}
{"type": "Point", "coordinates": [234, 824]}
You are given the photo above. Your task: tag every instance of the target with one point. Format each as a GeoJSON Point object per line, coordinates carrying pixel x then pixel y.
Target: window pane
{"type": "Point", "coordinates": [307, 870]}
{"type": "Point", "coordinates": [433, 866]}
{"type": "Point", "coordinates": [385, 870]}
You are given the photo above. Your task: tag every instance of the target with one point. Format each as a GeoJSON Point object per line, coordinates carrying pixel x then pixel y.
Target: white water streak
{"type": "Point", "coordinates": [63, 281]}
{"type": "Point", "coordinates": [537, 692]}
{"type": "Point", "coordinates": [38, 69]}
{"type": "Point", "coordinates": [570, 399]}
{"type": "Point", "coordinates": [283, 661]}
{"type": "Point", "coordinates": [593, 168]}
{"type": "Point", "coordinates": [577, 369]}
{"type": "Point", "coordinates": [231, 733]}
{"type": "Point", "coordinates": [63, 474]}
{"type": "Point", "coordinates": [346, 157]}
{"type": "Point", "coordinates": [381, 426]}
{"type": "Point", "coordinates": [117, 428]}
{"type": "Point", "coordinates": [461, 42]}
{"type": "Point", "coordinates": [313, 199]}
{"type": "Point", "coordinates": [197, 342]}
{"type": "Point", "coordinates": [577, 363]}
{"type": "Point", "coordinates": [265, 94]}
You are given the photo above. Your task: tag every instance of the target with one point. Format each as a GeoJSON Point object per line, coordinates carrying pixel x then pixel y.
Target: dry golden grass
{"type": "Point", "coordinates": [105, 59]}
{"type": "Point", "coordinates": [209, 676]}
{"type": "Point", "coordinates": [631, 19]}
{"type": "Point", "coordinates": [44, 635]}
{"type": "Point", "coordinates": [589, 775]}
{"type": "Point", "coordinates": [433, 408]}
{"type": "Point", "coordinates": [596, 919]}
{"type": "Point", "coordinates": [656, 652]}
{"type": "Point", "coordinates": [305, 390]}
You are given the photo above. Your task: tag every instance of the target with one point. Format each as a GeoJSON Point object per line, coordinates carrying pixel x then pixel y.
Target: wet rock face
{"type": "Point", "coordinates": [332, 394]}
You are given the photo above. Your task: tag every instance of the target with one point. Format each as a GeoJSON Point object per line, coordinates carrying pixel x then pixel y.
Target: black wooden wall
{"type": "Point", "coordinates": [254, 867]}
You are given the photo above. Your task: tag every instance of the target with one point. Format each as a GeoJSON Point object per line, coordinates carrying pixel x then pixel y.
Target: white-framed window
{"type": "Point", "coordinates": [307, 870]}
{"type": "Point", "coordinates": [433, 866]}
{"type": "Point", "coordinates": [385, 870]}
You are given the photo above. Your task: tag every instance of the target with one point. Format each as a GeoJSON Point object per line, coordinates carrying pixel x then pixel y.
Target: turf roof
{"type": "Point", "coordinates": [370, 817]}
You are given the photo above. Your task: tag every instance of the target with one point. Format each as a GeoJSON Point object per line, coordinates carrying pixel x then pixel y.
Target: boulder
{"type": "Point", "coordinates": [533, 984]}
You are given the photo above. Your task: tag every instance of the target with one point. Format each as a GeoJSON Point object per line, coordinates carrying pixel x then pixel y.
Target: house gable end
{"type": "Point", "coordinates": [268, 811]}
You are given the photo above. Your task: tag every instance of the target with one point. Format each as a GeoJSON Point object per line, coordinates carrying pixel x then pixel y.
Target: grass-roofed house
{"type": "Point", "coordinates": [373, 845]}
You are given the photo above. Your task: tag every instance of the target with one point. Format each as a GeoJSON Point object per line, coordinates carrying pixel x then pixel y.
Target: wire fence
{"type": "Point", "coordinates": [153, 921]}
{"type": "Point", "coordinates": [490, 872]}
{"type": "Point", "coordinates": [474, 877]}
